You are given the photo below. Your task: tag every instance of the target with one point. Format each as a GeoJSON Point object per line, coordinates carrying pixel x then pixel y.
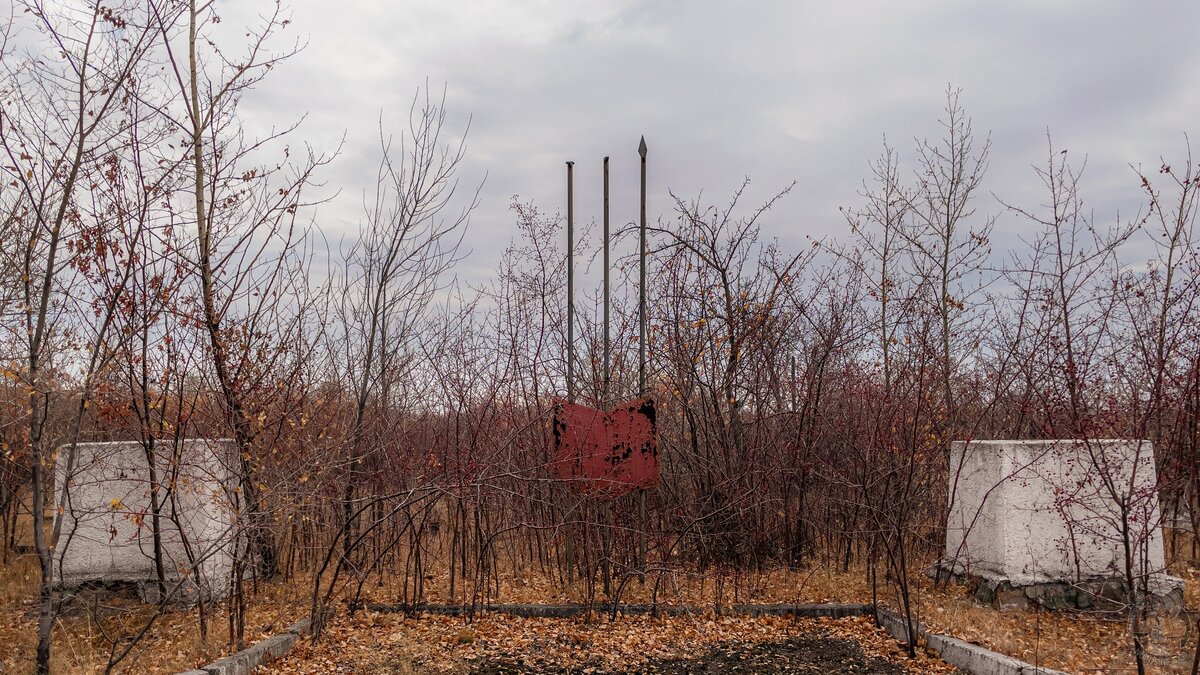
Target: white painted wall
{"type": "Point", "coordinates": [107, 534]}
{"type": "Point", "coordinates": [1041, 511]}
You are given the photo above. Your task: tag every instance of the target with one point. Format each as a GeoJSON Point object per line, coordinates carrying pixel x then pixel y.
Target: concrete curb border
{"type": "Point", "coordinates": [245, 661]}
{"type": "Point", "coordinates": [570, 611]}
{"type": "Point", "coordinates": [969, 657]}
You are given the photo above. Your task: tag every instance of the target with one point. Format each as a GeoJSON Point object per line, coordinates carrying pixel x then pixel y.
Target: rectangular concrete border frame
{"type": "Point", "coordinates": [245, 661]}
{"type": "Point", "coordinates": [963, 655]}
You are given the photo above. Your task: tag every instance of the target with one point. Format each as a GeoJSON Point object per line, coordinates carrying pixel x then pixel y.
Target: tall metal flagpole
{"type": "Point", "coordinates": [642, 356]}
{"type": "Point", "coordinates": [607, 570]}
{"type": "Point", "coordinates": [570, 541]}
{"type": "Point", "coordinates": [607, 371]}
{"type": "Point", "coordinates": [571, 281]}
{"type": "Point", "coordinates": [642, 280]}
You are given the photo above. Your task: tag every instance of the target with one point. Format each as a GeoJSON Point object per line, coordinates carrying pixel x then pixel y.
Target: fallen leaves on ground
{"type": "Point", "coordinates": [393, 643]}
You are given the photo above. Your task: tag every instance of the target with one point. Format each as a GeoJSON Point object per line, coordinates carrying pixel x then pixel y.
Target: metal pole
{"type": "Point", "coordinates": [607, 511]}
{"type": "Point", "coordinates": [642, 282]}
{"type": "Point", "coordinates": [571, 281]}
{"type": "Point", "coordinates": [607, 371]}
{"type": "Point", "coordinates": [642, 358]}
{"type": "Point", "coordinates": [571, 316]}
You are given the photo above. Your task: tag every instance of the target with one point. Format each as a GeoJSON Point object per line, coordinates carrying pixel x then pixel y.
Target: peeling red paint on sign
{"type": "Point", "coordinates": [608, 454]}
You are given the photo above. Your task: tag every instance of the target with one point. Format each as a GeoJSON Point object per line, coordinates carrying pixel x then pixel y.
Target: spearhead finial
{"type": "Point", "coordinates": [642, 147]}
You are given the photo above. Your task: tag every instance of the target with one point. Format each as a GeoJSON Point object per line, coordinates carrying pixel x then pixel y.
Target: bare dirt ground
{"type": "Point", "coordinates": [809, 654]}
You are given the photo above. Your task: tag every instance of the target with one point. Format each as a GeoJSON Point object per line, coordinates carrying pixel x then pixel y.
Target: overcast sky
{"type": "Point", "coordinates": [774, 91]}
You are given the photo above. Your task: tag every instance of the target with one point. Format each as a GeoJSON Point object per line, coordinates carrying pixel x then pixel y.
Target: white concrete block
{"type": "Point", "coordinates": [107, 533]}
{"type": "Point", "coordinates": [1031, 512]}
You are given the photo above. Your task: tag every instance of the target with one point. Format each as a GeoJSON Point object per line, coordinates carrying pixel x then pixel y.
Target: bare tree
{"type": "Point", "coordinates": [50, 159]}
{"type": "Point", "coordinates": [1159, 306]}
{"type": "Point", "coordinates": [946, 252]}
{"type": "Point", "coordinates": [248, 247]}
{"type": "Point", "coordinates": [397, 265]}
{"type": "Point", "coordinates": [878, 226]}
{"type": "Point", "coordinates": [1069, 276]}
{"type": "Point", "coordinates": [411, 238]}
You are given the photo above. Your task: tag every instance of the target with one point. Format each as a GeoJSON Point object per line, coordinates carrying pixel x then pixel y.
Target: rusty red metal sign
{"type": "Point", "coordinates": [606, 454]}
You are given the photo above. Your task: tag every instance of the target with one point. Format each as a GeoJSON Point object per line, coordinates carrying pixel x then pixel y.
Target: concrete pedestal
{"type": "Point", "coordinates": [1027, 514]}
{"type": "Point", "coordinates": [107, 533]}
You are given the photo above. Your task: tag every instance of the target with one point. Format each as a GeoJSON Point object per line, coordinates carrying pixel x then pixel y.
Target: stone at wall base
{"type": "Point", "coordinates": [77, 594]}
{"type": "Point", "coordinates": [1097, 595]}
{"type": "Point", "coordinates": [179, 593]}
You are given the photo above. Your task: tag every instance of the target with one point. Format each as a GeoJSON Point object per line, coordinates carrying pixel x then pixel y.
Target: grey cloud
{"type": "Point", "coordinates": [779, 91]}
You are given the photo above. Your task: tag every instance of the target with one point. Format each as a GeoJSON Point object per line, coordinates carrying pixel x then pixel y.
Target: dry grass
{"type": "Point", "coordinates": [675, 587]}
{"type": "Point", "coordinates": [1078, 642]}
{"type": "Point", "coordinates": [81, 645]}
